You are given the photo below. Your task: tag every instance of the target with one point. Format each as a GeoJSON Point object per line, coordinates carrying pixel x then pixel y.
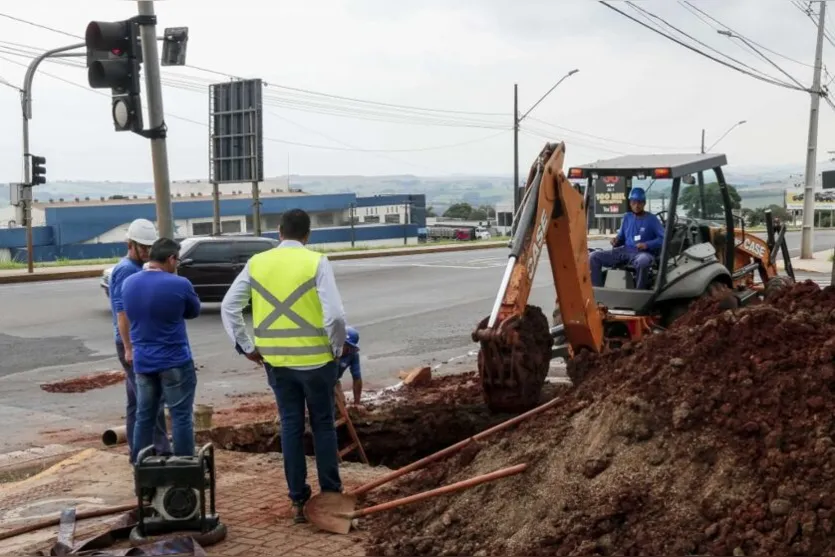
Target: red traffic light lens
{"type": "Point", "coordinates": [117, 51]}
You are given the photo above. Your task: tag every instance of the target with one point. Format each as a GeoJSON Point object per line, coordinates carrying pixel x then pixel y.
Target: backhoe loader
{"type": "Point", "coordinates": [516, 341]}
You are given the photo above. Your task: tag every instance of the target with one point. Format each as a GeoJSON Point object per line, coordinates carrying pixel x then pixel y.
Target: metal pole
{"type": "Point", "coordinates": [352, 221]}
{"type": "Point", "coordinates": [256, 197]}
{"type": "Point", "coordinates": [30, 258]}
{"type": "Point", "coordinates": [256, 208]}
{"type": "Point", "coordinates": [24, 212]}
{"type": "Point", "coordinates": [806, 243]}
{"type": "Point", "coordinates": [516, 195]}
{"type": "Point", "coordinates": [215, 209]}
{"type": "Point", "coordinates": [703, 141]}
{"type": "Point", "coordinates": [156, 117]}
{"type": "Point", "coordinates": [405, 223]}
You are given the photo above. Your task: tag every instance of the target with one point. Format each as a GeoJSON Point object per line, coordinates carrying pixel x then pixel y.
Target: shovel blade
{"type": "Point", "coordinates": [331, 512]}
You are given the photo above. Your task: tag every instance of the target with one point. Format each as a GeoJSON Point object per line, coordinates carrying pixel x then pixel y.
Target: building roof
{"type": "Point", "coordinates": [71, 202]}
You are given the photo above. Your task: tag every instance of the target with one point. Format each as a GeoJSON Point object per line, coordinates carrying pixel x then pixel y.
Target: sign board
{"type": "Point", "coordinates": [236, 132]}
{"type": "Point", "coordinates": [824, 200]}
{"type": "Point", "coordinates": [610, 197]}
{"type": "Point", "coordinates": [828, 179]}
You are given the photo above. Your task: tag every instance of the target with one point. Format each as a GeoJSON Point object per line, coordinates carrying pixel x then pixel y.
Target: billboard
{"type": "Point", "coordinates": [236, 132]}
{"type": "Point", "coordinates": [610, 197]}
{"type": "Point", "coordinates": [828, 179]}
{"type": "Point", "coordinates": [824, 200]}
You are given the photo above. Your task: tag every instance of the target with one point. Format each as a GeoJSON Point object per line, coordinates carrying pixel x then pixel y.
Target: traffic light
{"type": "Point", "coordinates": [38, 170]}
{"type": "Point", "coordinates": [114, 60]}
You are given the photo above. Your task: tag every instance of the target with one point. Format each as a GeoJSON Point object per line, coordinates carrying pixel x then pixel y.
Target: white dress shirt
{"type": "Point", "coordinates": [240, 293]}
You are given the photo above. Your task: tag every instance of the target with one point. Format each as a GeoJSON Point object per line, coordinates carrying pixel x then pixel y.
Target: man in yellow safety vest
{"type": "Point", "coordinates": [299, 326]}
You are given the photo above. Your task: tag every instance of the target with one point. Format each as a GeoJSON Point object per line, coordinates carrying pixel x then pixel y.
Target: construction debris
{"type": "Point", "coordinates": [418, 377]}
{"type": "Point", "coordinates": [85, 382]}
{"type": "Point", "coordinates": [714, 438]}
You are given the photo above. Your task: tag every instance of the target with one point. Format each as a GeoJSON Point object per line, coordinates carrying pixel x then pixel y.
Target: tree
{"type": "Point", "coordinates": [430, 211]}
{"type": "Point", "coordinates": [459, 211]}
{"type": "Point", "coordinates": [478, 214]}
{"type": "Point", "coordinates": [756, 217]}
{"type": "Point", "coordinates": [691, 204]}
{"type": "Point", "coordinates": [488, 210]}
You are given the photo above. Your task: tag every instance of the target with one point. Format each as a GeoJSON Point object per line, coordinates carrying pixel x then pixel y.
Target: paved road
{"type": "Point", "coordinates": [411, 310]}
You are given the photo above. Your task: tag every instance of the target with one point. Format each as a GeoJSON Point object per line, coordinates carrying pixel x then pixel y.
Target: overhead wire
{"type": "Point", "coordinates": [694, 39]}
{"type": "Point", "coordinates": [266, 138]}
{"type": "Point", "coordinates": [702, 15]}
{"type": "Point", "coordinates": [310, 101]}
{"type": "Point", "coordinates": [771, 81]}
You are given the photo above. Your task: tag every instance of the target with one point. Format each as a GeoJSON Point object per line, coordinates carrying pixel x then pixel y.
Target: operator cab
{"type": "Point", "coordinates": [687, 261]}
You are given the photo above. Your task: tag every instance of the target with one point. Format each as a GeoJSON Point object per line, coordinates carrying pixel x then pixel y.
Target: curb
{"type": "Point", "coordinates": [338, 256]}
{"type": "Point", "coordinates": [44, 277]}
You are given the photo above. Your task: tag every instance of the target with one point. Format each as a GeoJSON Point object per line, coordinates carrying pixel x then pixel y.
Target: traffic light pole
{"type": "Point", "coordinates": [156, 117]}
{"type": "Point", "coordinates": [25, 212]}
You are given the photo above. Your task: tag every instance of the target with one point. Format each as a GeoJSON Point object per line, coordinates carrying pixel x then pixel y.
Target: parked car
{"type": "Point", "coordinates": [211, 263]}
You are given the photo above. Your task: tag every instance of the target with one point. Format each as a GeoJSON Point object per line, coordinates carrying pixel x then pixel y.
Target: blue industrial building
{"type": "Point", "coordinates": [96, 229]}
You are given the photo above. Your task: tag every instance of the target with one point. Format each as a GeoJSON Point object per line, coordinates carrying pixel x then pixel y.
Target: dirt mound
{"type": "Point", "coordinates": [711, 439]}
{"type": "Point", "coordinates": [85, 382]}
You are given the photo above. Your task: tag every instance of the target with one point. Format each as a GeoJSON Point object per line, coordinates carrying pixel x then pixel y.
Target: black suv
{"type": "Point", "coordinates": [211, 263]}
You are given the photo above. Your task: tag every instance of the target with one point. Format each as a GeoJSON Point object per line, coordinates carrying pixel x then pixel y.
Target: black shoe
{"type": "Point", "coordinates": [299, 517]}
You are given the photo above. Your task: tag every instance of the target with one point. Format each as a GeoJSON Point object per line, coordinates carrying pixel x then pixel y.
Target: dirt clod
{"type": "Point", "coordinates": [728, 451]}
{"type": "Point", "coordinates": [85, 382]}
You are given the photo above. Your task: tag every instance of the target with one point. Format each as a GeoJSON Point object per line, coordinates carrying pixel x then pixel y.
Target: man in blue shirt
{"type": "Point", "coordinates": [350, 360]}
{"type": "Point", "coordinates": [637, 244]}
{"type": "Point", "coordinates": [141, 235]}
{"type": "Point", "coordinates": [157, 302]}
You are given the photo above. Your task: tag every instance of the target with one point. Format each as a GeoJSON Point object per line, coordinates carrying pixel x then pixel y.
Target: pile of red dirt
{"type": "Point", "coordinates": [85, 382]}
{"type": "Point", "coordinates": [713, 438]}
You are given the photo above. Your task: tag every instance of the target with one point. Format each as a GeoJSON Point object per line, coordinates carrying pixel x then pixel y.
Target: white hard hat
{"type": "Point", "coordinates": [142, 231]}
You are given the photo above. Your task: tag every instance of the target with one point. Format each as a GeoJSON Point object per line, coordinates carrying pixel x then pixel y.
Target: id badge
{"type": "Point", "coordinates": [637, 238]}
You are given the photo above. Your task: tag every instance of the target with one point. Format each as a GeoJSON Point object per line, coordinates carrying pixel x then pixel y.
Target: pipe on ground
{"type": "Point", "coordinates": [114, 436]}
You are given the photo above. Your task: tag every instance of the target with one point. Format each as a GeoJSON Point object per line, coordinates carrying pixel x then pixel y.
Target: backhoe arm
{"type": "Point", "coordinates": [515, 338]}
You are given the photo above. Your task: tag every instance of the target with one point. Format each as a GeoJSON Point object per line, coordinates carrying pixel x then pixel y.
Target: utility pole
{"type": "Point", "coordinates": [807, 235]}
{"type": "Point", "coordinates": [156, 117]}
{"type": "Point", "coordinates": [516, 196]}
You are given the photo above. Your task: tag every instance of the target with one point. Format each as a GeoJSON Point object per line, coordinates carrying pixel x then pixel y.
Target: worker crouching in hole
{"type": "Point", "coordinates": [638, 243]}
{"type": "Point", "coordinates": [350, 360]}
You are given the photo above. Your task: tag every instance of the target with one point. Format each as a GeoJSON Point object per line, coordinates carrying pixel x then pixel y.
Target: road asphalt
{"type": "Point", "coordinates": [410, 311]}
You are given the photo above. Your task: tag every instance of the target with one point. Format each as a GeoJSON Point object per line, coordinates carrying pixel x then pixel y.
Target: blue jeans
{"type": "Point", "coordinates": [641, 260]}
{"type": "Point", "coordinates": [160, 433]}
{"type": "Point", "coordinates": [293, 388]}
{"type": "Point", "coordinates": [177, 385]}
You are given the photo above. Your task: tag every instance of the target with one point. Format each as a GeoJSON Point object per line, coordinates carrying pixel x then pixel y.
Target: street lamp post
{"type": "Point", "coordinates": [516, 121]}
{"type": "Point", "coordinates": [715, 143]}
{"type": "Point", "coordinates": [701, 175]}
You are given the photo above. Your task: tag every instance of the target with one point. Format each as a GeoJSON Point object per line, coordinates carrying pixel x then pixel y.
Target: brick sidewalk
{"type": "Point", "coordinates": [252, 502]}
{"type": "Point", "coordinates": [258, 516]}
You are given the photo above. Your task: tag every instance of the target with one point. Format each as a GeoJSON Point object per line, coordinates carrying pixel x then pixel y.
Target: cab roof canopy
{"type": "Point", "coordinates": [664, 167]}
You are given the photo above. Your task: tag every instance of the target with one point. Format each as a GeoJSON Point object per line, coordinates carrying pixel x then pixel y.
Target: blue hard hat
{"type": "Point", "coordinates": [353, 337]}
{"type": "Point", "coordinates": [637, 194]}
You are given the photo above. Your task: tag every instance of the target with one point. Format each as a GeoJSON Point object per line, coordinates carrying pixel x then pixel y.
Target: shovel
{"type": "Point", "coordinates": [333, 512]}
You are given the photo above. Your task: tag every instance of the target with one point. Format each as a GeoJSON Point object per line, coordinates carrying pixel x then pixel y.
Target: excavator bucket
{"type": "Point", "coordinates": [515, 339]}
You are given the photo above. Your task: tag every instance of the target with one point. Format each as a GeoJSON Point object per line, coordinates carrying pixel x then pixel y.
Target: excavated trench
{"type": "Point", "coordinates": [393, 433]}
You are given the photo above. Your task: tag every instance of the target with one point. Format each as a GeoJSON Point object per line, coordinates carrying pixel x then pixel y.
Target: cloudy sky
{"type": "Point", "coordinates": [635, 92]}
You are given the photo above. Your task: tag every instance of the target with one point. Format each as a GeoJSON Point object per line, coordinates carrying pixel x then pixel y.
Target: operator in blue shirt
{"type": "Point", "coordinates": [350, 360]}
{"type": "Point", "coordinates": [141, 235]}
{"type": "Point", "coordinates": [158, 302]}
{"type": "Point", "coordinates": [638, 243]}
